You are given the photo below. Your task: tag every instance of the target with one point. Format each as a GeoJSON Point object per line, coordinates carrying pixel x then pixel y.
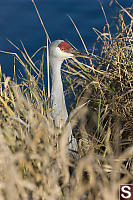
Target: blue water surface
{"type": "Point", "coordinates": [19, 21]}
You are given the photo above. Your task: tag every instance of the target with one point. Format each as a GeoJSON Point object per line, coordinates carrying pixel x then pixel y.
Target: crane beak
{"type": "Point", "coordinates": [76, 53]}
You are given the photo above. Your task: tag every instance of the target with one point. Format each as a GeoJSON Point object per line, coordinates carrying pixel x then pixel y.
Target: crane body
{"type": "Point", "coordinates": [58, 52]}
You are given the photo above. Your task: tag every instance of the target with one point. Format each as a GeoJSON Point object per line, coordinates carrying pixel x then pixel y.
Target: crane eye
{"type": "Point", "coordinates": [62, 49]}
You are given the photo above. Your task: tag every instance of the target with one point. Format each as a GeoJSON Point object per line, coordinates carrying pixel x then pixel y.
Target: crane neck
{"type": "Point", "coordinates": [55, 66]}
{"type": "Point", "coordinates": [59, 112]}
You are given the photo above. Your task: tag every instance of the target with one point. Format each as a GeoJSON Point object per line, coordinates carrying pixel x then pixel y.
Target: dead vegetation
{"type": "Point", "coordinates": [33, 159]}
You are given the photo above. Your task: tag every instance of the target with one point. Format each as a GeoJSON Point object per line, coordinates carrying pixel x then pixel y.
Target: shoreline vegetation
{"type": "Point", "coordinates": [33, 159]}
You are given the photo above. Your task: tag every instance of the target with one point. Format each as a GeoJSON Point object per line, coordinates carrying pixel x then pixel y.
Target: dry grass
{"type": "Point", "coordinates": [33, 159]}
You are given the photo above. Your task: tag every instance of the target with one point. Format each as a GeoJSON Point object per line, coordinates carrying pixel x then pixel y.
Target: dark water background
{"type": "Point", "coordinates": [19, 21]}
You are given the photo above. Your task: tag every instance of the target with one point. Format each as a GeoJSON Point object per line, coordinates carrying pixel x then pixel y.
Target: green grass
{"type": "Point", "coordinates": [33, 159]}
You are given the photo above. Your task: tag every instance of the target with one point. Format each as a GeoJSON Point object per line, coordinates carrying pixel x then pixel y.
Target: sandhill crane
{"type": "Point", "coordinates": [59, 51]}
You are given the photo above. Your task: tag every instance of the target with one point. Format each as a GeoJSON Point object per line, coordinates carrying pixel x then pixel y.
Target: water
{"type": "Point", "coordinates": [19, 21]}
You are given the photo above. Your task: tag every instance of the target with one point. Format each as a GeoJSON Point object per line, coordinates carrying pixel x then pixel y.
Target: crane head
{"type": "Point", "coordinates": [63, 50]}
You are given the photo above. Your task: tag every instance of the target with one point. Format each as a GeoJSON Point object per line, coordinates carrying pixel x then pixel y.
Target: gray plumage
{"type": "Point", "coordinates": [58, 52]}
